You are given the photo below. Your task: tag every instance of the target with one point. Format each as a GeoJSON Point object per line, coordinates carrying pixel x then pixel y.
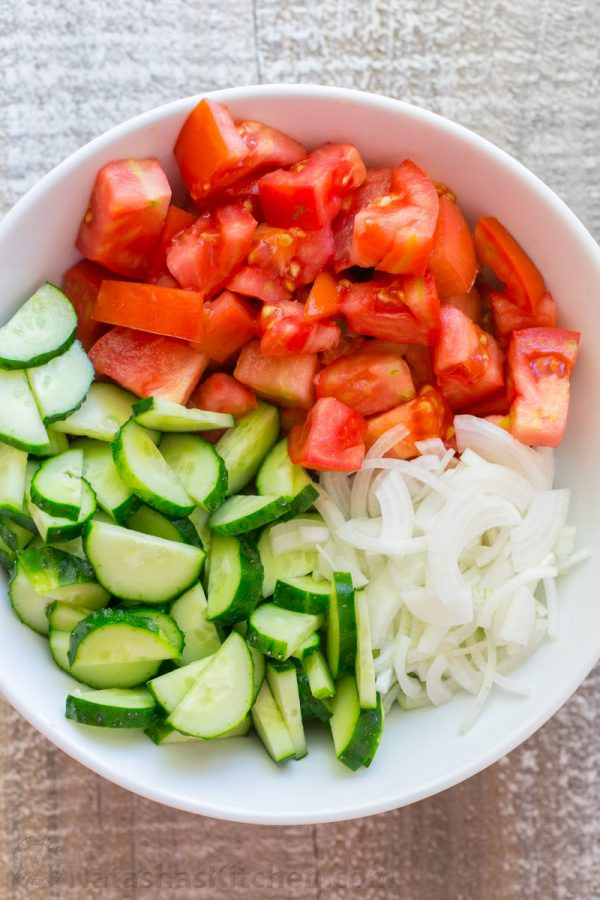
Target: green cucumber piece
{"type": "Point", "coordinates": [312, 642]}
{"type": "Point", "coordinates": [100, 471]}
{"type": "Point", "coordinates": [55, 529]}
{"type": "Point", "coordinates": [103, 412]}
{"type": "Point", "coordinates": [270, 726]}
{"type": "Point", "coordinates": [13, 464]}
{"type": "Point", "coordinates": [60, 386]}
{"type": "Point", "coordinates": [244, 447]}
{"type": "Point", "coordinates": [341, 626]}
{"type": "Point", "coordinates": [170, 689]}
{"type": "Point", "coordinates": [114, 636]}
{"type": "Point", "coordinates": [310, 706]}
{"type": "Point", "coordinates": [117, 675]}
{"type": "Point", "coordinates": [319, 677]}
{"type": "Point", "coordinates": [56, 485]}
{"type": "Point", "coordinates": [246, 512]}
{"type": "Point", "coordinates": [234, 578]}
{"type": "Point", "coordinates": [356, 732]}
{"type": "Point", "coordinates": [199, 519]}
{"type": "Point", "coordinates": [303, 594]}
{"type": "Point", "coordinates": [112, 707]}
{"type": "Point", "coordinates": [42, 328]}
{"type": "Point", "coordinates": [160, 732]}
{"type": "Point", "coordinates": [281, 678]}
{"type": "Point", "coordinates": [14, 534]}
{"type": "Point", "coordinates": [279, 632]}
{"type": "Point", "coordinates": [57, 443]}
{"type": "Point", "coordinates": [150, 521]}
{"type": "Point", "coordinates": [201, 637]}
{"type": "Point", "coordinates": [198, 467]}
{"type": "Point", "coordinates": [286, 565]}
{"type": "Point", "coordinates": [64, 616]}
{"type": "Point", "coordinates": [167, 625]}
{"type": "Point", "coordinates": [365, 669]}
{"type": "Point", "coordinates": [164, 415]}
{"type": "Point", "coordinates": [279, 476]}
{"type": "Point", "coordinates": [21, 425]}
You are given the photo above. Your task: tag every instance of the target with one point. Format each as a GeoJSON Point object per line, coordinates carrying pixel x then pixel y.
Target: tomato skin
{"type": "Point", "coordinates": [81, 285]}
{"type": "Point", "coordinates": [496, 404]}
{"type": "Point", "coordinates": [497, 249]}
{"type": "Point", "coordinates": [377, 183]}
{"type": "Point", "coordinates": [427, 416]}
{"type": "Point", "coordinates": [288, 417]}
{"type": "Point", "coordinates": [286, 379]}
{"type": "Point", "coordinates": [469, 304]}
{"type": "Point", "coordinates": [368, 381]}
{"type": "Point", "coordinates": [323, 301]}
{"type": "Point", "coordinates": [206, 255]}
{"type": "Point", "coordinates": [453, 260]}
{"type": "Point", "coordinates": [293, 256]}
{"type": "Point", "coordinates": [332, 438]}
{"type": "Point", "coordinates": [508, 317]}
{"type": "Point", "coordinates": [467, 361]}
{"type": "Point", "coordinates": [251, 281]}
{"type": "Point", "coordinates": [149, 307]}
{"type": "Point", "coordinates": [540, 361]}
{"type": "Point", "coordinates": [309, 195]}
{"type": "Point", "coordinates": [268, 147]}
{"type": "Point", "coordinates": [125, 215]}
{"type": "Point", "coordinates": [177, 220]}
{"type": "Point", "coordinates": [291, 335]}
{"type": "Point", "coordinates": [229, 323]}
{"type": "Point", "coordinates": [148, 364]}
{"type": "Point", "coordinates": [222, 393]}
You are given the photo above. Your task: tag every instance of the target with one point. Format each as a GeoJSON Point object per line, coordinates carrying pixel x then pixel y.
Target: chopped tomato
{"type": "Point", "coordinates": [81, 285]}
{"type": "Point", "coordinates": [469, 304]}
{"type": "Point", "coordinates": [222, 393]}
{"type": "Point", "coordinates": [498, 249]}
{"type": "Point", "coordinates": [395, 232]}
{"type": "Point", "coordinates": [206, 256]}
{"type": "Point", "coordinates": [405, 310]}
{"type": "Point", "coordinates": [254, 282]}
{"type": "Point", "coordinates": [496, 404]}
{"type": "Point", "coordinates": [293, 256]}
{"type": "Point", "coordinates": [332, 438]}
{"type": "Point", "coordinates": [177, 221]}
{"type": "Point", "coordinates": [499, 420]}
{"type": "Point", "coordinates": [148, 307]}
{"type": "Point", "coordinates": [427, 416]}
{"type": "Point", "coordinates": [229, 323]}
{"type": "Point", "coordinates": [291, 335]}
{"type": "Point", "coordinates": [310, 194]}
{"type": "Point", "coordinates": [467, 361]}
{"type": "Point", "coordinates": [421, 364]}
{"type": "Point", "coordinates": [275, 312]}
{"type": "Point", "coordinates": [540, 361]}
{"type": "Point", "coordinates": [323, 302]}
{"type": "Point", "coordinates": [368, 381]}
{"type": "Point", "coordinates": [349, 343]}
{"type": "Point", "coordinates": [286, 379]}
{"type": "Point", "coordinates": [509, 317]}
{"type": "Point", "coordinates": [378, 183]}
{"type": "Point", "coordinates": [453, 260]}
{"type": "Point", "coordinates": [268, 147]}
{"type": "Point", "coordinates": [288, 417]}
{"type": "Point", "coordinates": [148, 364]}
{"type": "Point", "coordinates": [125, 215]}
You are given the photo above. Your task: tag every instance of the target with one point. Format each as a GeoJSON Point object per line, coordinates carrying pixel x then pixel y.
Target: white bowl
{"type": "Point", "coordinates": [421, 752]}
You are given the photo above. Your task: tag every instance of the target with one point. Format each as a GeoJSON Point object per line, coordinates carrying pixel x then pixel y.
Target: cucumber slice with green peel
{"type": "Point", "coordinates": [21, 425]}
{"type": "Point", "coordinates": [341, 626]}
{"type": "Point", "coordinates": [312, 642]}
{"type": "Point", "coordinates": [145, 471]}
{"type": "Point", "coordinates": [170, 689]}
{"type": "Point", "coordinates": [198, 467]}
{"type": "Point", "coordinates": [286, 565]}
{"type": "Point", "coordinates": [118, 675]}
{"type": "Point", "coordinates": [164, 415]}
{"type": "Point", "coordinates": [364, 667]}
{"type": "Point", "coordinates": [310, 706]}
{"type": "Point", "coordinates": [60, 386]}
{"type": "Point", "coordinates": [303, 594]}
{"type": "Point", "coordinates": [42, 328]}
{"type": "Point", "coordinates": [167, 625]}
{"type": "Point", "coordinates": [55, 529]}
{"type": "Point", "coordinates": [241, 513]}
{"type": "Point", "coordinates": [356, 732]}
{"type": "Point", "coordinates": [221, 696]}
{"type": "Point", "coordinates": [100, 471]}
{"type": "Point", "coordinates": [279, 632]}
{"type": "Point", "coordinates": [234, 578]}
{"type": "Point", "coordinates": [319, 677]}
{"type": "Point", "coordinates": [281, 678]}
{"type": "Point", "coordinates": [160, 732]}
{"type": "Point", "coordinates": [150, 521]}
{"type": "Point", "coordinates": [201, 637]}
{"type": "Point", "coordinates": [140, 567]}
{"type": "Point", "coordinates": [278, 475]}
{"type": "Point", "coordinates": [13, 534]}
{"type": "Point", "coordinates": [270, 726]}
{"type": "Point", "coordinates": [199, 519]}
{"type": "Point", "coordinates": [13, 464]}
{"type": "Point", "coordinates": [244, 447]}
{"type": "Point", "coordinates": [74, 547]}
{"type": "Point", "coordinates": [103, 412]}
{"type": "Point", "coordinates": [258, 660]}
{"type": "Point", "coordinates": [112, 708]}
{"type": "Point", "coordinates": [57, 443]}
{"type": "Point", "coordinates": [8, 557]}
{"type": "Point", "coordinates": [56, 486]}
{"type": "Point", "coordinates": [64, 616]}
{"type": "Point", "coordinates": [114, 636]}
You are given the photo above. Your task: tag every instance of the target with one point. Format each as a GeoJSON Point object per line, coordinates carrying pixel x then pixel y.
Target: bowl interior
{"type": "Point", "coordinates": [421, 752]}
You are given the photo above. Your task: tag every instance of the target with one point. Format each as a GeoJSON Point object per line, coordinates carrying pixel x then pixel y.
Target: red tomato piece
{"type": "Point", "coordinates": [291, 335]}
{"type": "Point", "coordinates": [148, 364]}
{"type": "Point", "coordinates": [420, 363]}
{"type": "Point", "coordinates": [349, 343]}
{"type": "Point", "coordinates": [229, 323]}
{"type": "Point", "coordinates": [467, 361]}
{"type": "Point", "coordinates": [286, 379]}
{"type": "Point", "coordinates": [148, 307]}
{"type": "Point", "coordinates": [254, 282]}
{"type": "Point", "coordinates": [540, 361]}
{"type": "Point", "coordinates": [222, 393]}
{"type": "Point", "coordinates": [177, 221]}
{"type": "Point", "coordinates": [427, 416]}
{"type": "Point", "coordinates": [496, 404]}
{"type": "Point", "coordinates": [469, 304]}
{"type": "Point", "coordinates": [125, 215]}
{"type": "Point", "coordinates": [288, 417]}
{"type": "Point", "coordinates": [395, 232]}
{"type": "Point", "coordinates": [498, 249]}
{"type": "Point", "coordinates": [368, 381]}
{"type": "Point", "coordinates": [453, 260]}
{"type": "Point", "coordinates": [271, 313]}
{"type": "Point", "coordinates": [509, 317]}
{"type": "Point", "coordinates": [323, 302]}
{"type": "Point", "coordinates": [377, 183]}
{"type": "Point", "coordinates": [310, 194]}
{"type": "Point", "coordinates": [81, 285]}
{"type": "Point", "coordinates": [268, 147]}
{"type": "Point", "coordinates": [405, 310]}
{"type": "Point", "coordinates": [206, 256]}
{"type": "Point", "coordinates": [294, 256]}
{"type": "Point", "coordinates": [331, 438]}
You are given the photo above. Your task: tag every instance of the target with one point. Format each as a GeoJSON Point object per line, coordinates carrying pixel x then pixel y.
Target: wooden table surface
{"type": "Point", "coordinates": [524, 73]}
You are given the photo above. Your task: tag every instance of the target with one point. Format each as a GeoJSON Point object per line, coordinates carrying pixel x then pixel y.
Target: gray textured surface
{"type": "Point", "coordinates": [524, 73]}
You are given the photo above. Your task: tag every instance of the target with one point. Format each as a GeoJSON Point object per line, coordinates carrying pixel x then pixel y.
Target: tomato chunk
{"type": "Point", "coordinates": [467, 361]}
{"type": "Point", "coordinates": [331, 438]}
{"type": "Point", "coordinates": [222, 393]}
{"type": "Point", "coordinates": [149, 307]}
{"type": "Point", "coordinates": [420, 363]}
{"type": "Point", "coordinates": [508, 317]}
{"type": "Point", "coordinates": [293, 256]}
{"type": "Point", "coordinates": [177, 221]}
{"type": "Point", "coordinates": [377, 183]}
{"type": "Point", "coordinates": [540, 361]}
{"type": "Point", "coordinates": [148, 364]}
{"type": "Point", "coordinates": [395, 232]}
{"type": "Point", "coordinates": [453, 260]}
{"type": "Point", "coordinates": [254, 282]}
{"type": "Point", "coordinates": [291, 335]}
{"type": "Point", "coordinates": [205, 256]}
{"type": "Point", "coordinates": [323, 301]}
{"type": "Point", "coordinates": [369, 381]}
{"type": "Point", "coordinates": [125, 215]}
{"type": "Point", "coordinates": [286, 379]}
{"type": "Point", "coordinates": [81, 285]}
{"type": "Point", "coordinates": [496, 404]}
{"type": "Point", "coordinates": [289, 416]}
{"type": "Point", "coordinates": [469, 304]}
{"type": "Point", "coordinates": [229, 323]}
{"type": "Point", "coordinates": [309, 195]}
{"type": "Point", "coordinates": [498, 249]}
{"type": "Point", "coordinates": [427, 416]}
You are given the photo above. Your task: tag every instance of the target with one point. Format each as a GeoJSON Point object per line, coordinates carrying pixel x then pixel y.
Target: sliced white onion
{"type": "Point", "coordinates": [535, 537]}
{"type": "Point", "coordinates": [387, 440]}
{"type": "Point", "coordinates": [397, 510]}
{"type": "Point", "coordinates": [337, 486]}
{"type": "Point", "coordinates": [434, 446]}
{"type": "Point", "coordinates": [492, 478]}
{"type": "Point", "coordinates": [499, 446]}
{"type": "Point", "coordinates": [575, 559]}
{"type": "Point", "coordinates": [410, 686]}
{"type": "Point", "coordinates": [551, 607]}
{"type": "Point", "coordinates": [486, 686]}
{"type": "Point", "coordinates": [437, 691]}
{"type": "Point", "coordinates": [529, 577]}
{"type": "Point", "coordinates": [518, 620]}
{"type": "Point", "coordinates": [355, 536]}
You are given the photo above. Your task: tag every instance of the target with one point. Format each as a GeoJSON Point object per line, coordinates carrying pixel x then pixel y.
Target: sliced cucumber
{"type": "Point", "coordinates": [234, 578]}
{"type": "Point", "coordinates": [278, 475]}
{"type": "Point", "coordinates": [114, 636]}
{"type": "Point", "coordinates": [319, 677]}
{"type": "Point", "coordinates": [258, 659]}
{"type": "Point", "coordinates": [201, 636]}
{"type": "Point", "coordinates": [117, 675]}
{"type": "Point", "coordinates": [270, 726]}
{"type": "Point", "coordinates": [21, 425]}
{"type": "Point", "coordinates": [246, 512]}
{"type": "Point", "coordinates": [56, 486]}
{"type": "Point", "coordinates": [167, 625]}
{"type": "Point", "coordinates": [303, 594]}
{"type": "Point", "coordinates": [150, 521]}
{"type": "Point", "coordinates": [112, 708]}
{"type": "Point", "coordinates": [57, 443]}
{"type": "Point", "coordinates": [60, 386]}
{"type": "Point", "coordinates": [170, 689]}
{"type": "Point", "coordinates": [164, 415]}
{"type": "Point", "coordinates": [64, 616]}
{"type": "Point", "coordinates": [282, 680]}
{"type": "Point", "coordinates": [103, 412]}
{"type": "Point", "coordinates": [341, 626]}
{"type": "Point", "coordinates": [356, 732]}
{"type": "Point", "coordinates": [365, 669]}
{"type": "Point", "coordinates": [199, 519]}
{"type": "Point", "coordinates": [14, 534]}
{"type": "Point", "coordinates": [135, 566]}
{"type": "Point", "coordinates": [160, 732]}
{"type": "Point", "coordinates": [42, 328]}
{"type": "Point", "coordinates": [310, 706]}
{"type": "Point", "coordinates": [13, 464]}
{"type": "Point", "coordinates": [198, 467]}
{"type": "Point", "coordinates": [244, 447]}
{"type": "Point", "coordinates": [221, 696]}
{"type": "Point", "coordinates": [55, 529]}
{"type": "Point", "coordinates": [279, 632]}
{"type": "Point", "coordinates": [286, 565]}
{"type": "Point", "coordinates": [99, 469]}
{"type": "Point", "coordinates": [145, 471]}
{"type": "Point", "coordinates": [312, 642]}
